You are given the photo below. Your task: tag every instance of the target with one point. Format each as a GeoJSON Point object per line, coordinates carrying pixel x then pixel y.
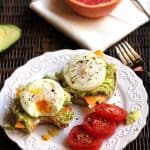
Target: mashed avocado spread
{"type": "Point", "coordinates": [132, 117]}
{"type": "Point", "coordinates": [107, 87]}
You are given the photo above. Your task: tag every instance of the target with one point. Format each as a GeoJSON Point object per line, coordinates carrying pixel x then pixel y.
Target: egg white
{"type": "Point", "coordinates": [43, 89]}
{"type": "Point", "coordinates": [85, 72]}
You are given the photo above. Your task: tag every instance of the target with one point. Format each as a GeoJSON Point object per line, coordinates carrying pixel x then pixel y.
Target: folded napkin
{"type": "Point", "coordinates": [93, 34]}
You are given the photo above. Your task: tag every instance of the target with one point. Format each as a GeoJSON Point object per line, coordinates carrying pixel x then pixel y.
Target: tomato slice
{"type": "Point", "coordinates": [111, 112]}
{"type": "Point", "coordinates": [98, 126]}
{"type": "Point", "coordinates": [79, 139]}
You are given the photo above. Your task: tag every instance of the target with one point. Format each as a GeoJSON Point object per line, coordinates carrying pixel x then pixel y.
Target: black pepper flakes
{"type": "Point", "coordinates": [94, 58]}
{"type": "Point", "coordinates": [33, 96]}
{"type": "Point", "coordinates": [53, 90]}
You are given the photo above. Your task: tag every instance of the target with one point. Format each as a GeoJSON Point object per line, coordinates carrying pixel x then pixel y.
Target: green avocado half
{"type": "Point", "coordinates": [9, 34]}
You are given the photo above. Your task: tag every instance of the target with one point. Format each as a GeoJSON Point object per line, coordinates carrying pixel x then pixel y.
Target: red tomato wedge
{"type": "Point", "coordinates": [98, 126]}
{"type": "Point", "coordinates": [79, 139]}
{"type": "Point", "coordinates": [111, 112]}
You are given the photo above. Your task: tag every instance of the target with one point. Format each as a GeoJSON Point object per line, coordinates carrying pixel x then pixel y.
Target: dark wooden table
{"type": "Point", "coordinates": [38, 37]}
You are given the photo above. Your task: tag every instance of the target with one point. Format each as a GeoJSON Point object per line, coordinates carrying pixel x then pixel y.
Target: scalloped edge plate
{"type": "Point", "coordinates": [129, 94]}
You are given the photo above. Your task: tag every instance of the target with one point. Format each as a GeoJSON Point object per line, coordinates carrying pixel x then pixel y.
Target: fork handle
{"type": "Point", "coordinates": [142, 70]}
{"type": "Point", "coordinates": [147, 72]}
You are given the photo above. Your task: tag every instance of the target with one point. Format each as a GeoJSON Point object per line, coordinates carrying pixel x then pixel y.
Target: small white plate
{"type": "Point", "coordinates": [129, 94]}
{"type": "Point", "coordinates": [92, 34]}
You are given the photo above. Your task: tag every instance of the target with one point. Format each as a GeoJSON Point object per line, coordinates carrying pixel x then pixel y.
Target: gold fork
{"type": "Point", "coordinates": [130, 57]}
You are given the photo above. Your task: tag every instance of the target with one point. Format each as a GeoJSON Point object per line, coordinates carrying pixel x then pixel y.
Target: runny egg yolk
{"type": "Point", "coordinates": [38, 99]}
{"type": "Point", "coordinates": [36, 91]}
{"type": "Point", "coordinates": [43, 106]}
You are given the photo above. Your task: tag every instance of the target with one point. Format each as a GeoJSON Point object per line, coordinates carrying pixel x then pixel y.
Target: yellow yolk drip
{"type": "Point", "coordinates": [36, 91]}
{"type": "Point", "coordinates": [43, 106]}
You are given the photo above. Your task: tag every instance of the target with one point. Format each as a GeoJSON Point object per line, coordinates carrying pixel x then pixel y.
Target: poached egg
{"type": "Point", "coordinates": [85, 72]}
{"type": "Point", "coordinates": [43, 97]}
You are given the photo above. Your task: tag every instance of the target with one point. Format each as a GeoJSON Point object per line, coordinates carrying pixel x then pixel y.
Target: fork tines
{"type": "Point", "coordinates": [127, 54]}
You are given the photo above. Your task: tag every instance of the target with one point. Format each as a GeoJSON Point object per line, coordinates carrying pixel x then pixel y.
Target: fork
{"type": "Point", "coordinates": [140, 6]}
{"type": "Point", "coordinates": [130, 57]}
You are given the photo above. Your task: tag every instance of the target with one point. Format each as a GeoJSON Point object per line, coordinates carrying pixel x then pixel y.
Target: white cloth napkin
{"type": "Point", "coordinates": [93, 34]}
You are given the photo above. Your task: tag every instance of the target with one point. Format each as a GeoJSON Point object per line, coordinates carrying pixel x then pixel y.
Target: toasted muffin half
{"type": "Point", "coordinates": [89, 78]}
{"type": "Point", "coordinates": [41, 101]}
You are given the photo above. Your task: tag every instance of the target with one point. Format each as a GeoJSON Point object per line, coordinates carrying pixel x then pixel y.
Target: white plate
{"type": "Point", "coordinates": [130, 94]}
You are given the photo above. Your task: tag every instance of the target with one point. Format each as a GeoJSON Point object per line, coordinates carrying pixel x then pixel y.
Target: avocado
{"type": "Point", "coordinates": [132, 117]}
{"type": "Point", "coordinates": [9, 34]}
{"type": "Point", "coordinates": [67, 99]}
{"type": "Point", "coordinates": [61, 118]}
{"type": "Point", "coordinates": [22, 116]}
